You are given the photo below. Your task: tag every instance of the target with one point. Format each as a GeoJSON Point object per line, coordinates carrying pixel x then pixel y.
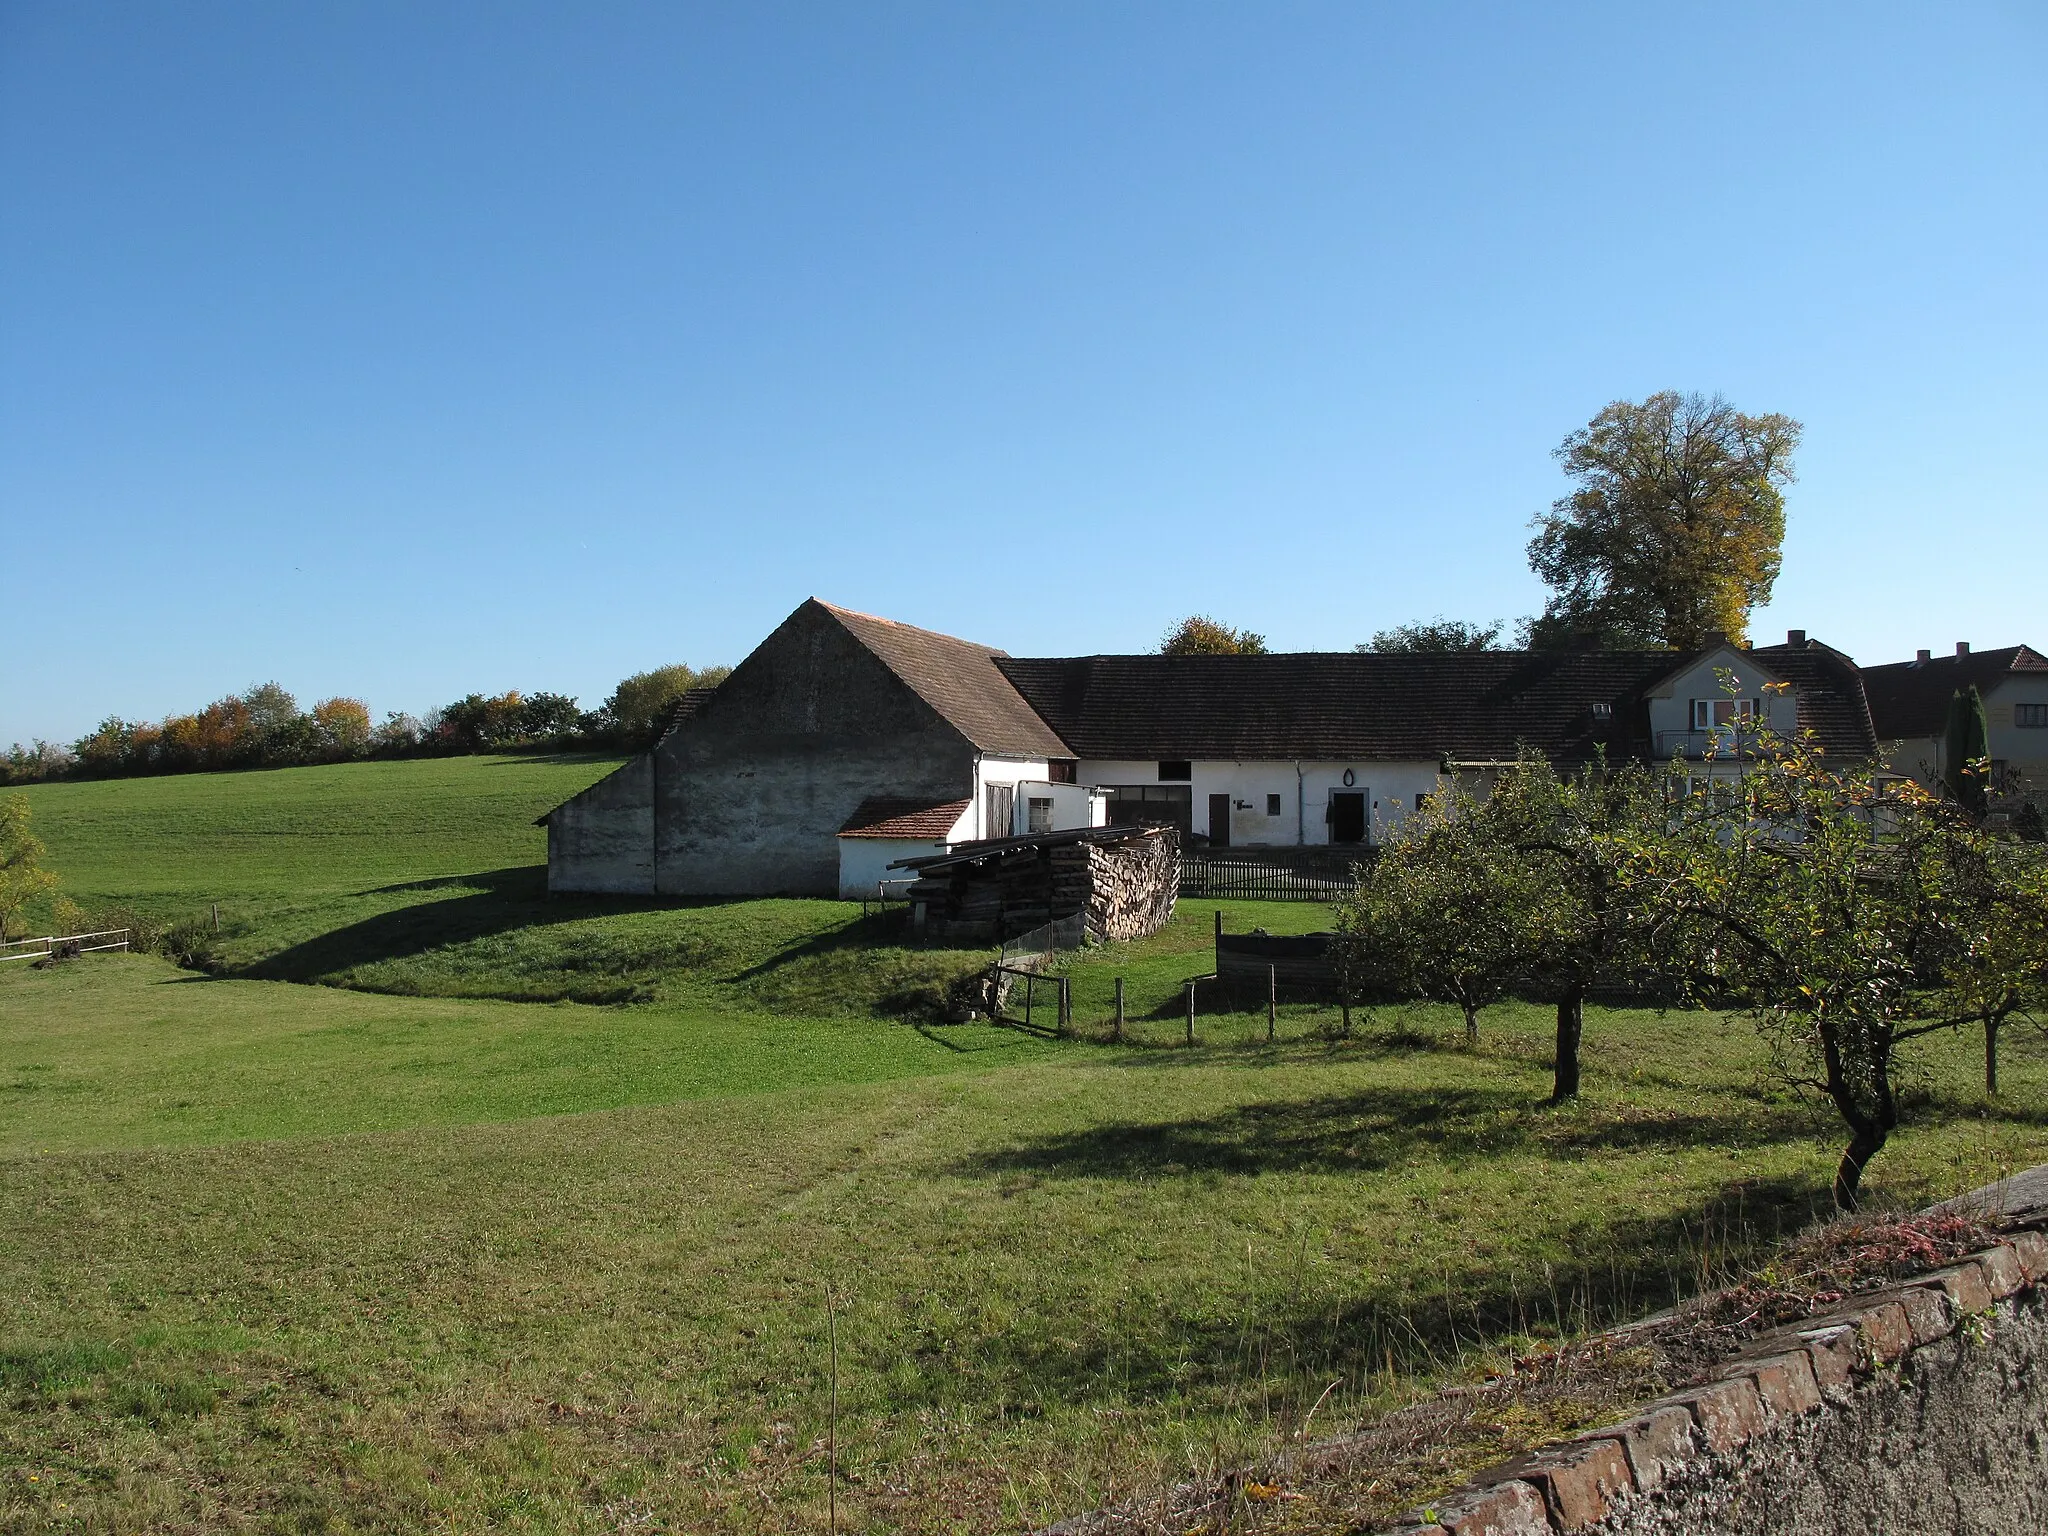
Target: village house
{"type": "Point", "coordinates": [1909, 703]}
{"type": "Point", "coordinates": [846, 744]}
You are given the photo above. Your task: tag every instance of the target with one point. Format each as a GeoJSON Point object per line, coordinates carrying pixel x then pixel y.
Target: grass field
{"type": "Point", "coordinates": [290, 1258]}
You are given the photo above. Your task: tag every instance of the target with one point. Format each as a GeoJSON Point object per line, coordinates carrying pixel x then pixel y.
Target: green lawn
{"type": "Point", "coordinates": [290, 1258]}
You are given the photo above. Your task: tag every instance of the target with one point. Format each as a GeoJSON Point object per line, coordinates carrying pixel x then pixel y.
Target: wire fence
{"type": "Point", "coordinates": [1047, 939]}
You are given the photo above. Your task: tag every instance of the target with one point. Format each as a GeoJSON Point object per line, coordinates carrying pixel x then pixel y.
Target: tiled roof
{"type": "Point", "coordinates": [958, 679]}
{"type": "Point", "coordinates": [688, 705]}
{"type": "Point", "coordinates": [1341, 706]}
{"type": "Point", "coordinates": [1830, 690]}
{"type": "Point", "coordinates": [1910, 698]}
{"type": "Point", "coordinates": [886, 816]}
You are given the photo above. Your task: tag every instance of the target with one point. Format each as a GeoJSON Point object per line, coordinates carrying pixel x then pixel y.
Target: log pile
{"type": "Point", "coordinates": [1126, 888]}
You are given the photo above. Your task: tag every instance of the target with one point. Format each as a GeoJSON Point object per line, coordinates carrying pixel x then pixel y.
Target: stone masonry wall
{"type": "Point", "coordinates": [1921, 1408]}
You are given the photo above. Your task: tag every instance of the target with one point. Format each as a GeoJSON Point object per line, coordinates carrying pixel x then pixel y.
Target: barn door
{"type": "Point", "coordinates": [1002, 811]}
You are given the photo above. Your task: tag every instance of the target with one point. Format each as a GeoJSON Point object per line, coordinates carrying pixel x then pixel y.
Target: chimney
{"type": "Point", "coordinates": [1922, 658]}
{"type": "Point", "coordinates": [1962, 647]}
{"type": "Point", "coordinates": [1795, 637]}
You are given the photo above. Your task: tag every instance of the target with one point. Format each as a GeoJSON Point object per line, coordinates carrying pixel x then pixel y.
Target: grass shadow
{"type": "Point", "coordinates": [1376, 1129]}
{"type": "Point", "coordinates": [1608, 1268]}
{"type": "Point", "coordinates": [492, 902]}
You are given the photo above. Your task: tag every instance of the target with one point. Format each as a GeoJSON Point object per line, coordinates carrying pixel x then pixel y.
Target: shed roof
{"type": "Point", "coordinates": [1910, 698]}
{"type": "Point", "coordinates": [893, 816]}
{"type": "Point", "coordinates": [996, 847]}
{"type": "Point", "coordinates": [959, 679]}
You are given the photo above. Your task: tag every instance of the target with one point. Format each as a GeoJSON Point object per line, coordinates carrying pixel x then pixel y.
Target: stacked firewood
{"type": "Point", "coordinates": [1131, 885]}
{"type": "Point", "coordinates": [1127, 889]}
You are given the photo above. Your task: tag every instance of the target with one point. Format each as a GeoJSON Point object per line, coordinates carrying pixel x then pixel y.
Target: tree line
{"type": "Point", "coordinates": [1845, 911]}
{"type": "Point", "coordinates": [263, 727]}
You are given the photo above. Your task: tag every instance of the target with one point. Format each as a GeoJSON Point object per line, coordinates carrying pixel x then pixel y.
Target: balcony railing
{"type": "Point", "coordinates": [1722, 741]}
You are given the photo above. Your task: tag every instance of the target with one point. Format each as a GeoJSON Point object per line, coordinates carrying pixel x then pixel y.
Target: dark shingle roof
{"type": "Point", "coordinates": [1830, 690]}
{"type": "Point", "coordinates": [888, 816]}
{"type": "Point", "coordinates": [958, 679]}
{"type": "Point", "coordinates": [1910, 698]}
{"type": "Point", "coordinates": [1339, 706]}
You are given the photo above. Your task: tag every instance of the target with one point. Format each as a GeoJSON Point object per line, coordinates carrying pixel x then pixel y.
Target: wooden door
{"type": "Point", "coordinates": [1002, 811]}
{"type": "Point", "coordinates": [1219, 821]}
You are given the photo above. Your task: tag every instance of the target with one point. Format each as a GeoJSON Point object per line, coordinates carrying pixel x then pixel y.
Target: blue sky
{"type": "Point", "coordinates": [401, 350]}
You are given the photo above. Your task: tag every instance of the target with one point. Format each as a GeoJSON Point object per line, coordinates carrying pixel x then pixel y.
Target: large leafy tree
{"type": "Point", "coordinates": [1673, 527]}
{"type": "Point", "coordinates": [1200, 635]}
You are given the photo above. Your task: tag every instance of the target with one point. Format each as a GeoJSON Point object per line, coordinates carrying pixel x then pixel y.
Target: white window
{"type": "Point", "coordinates": [1721, 714]}
{"type": "Point", "coordinates": [1040, 815]}
{"type": "Point", "coordinates": [2030, 714]}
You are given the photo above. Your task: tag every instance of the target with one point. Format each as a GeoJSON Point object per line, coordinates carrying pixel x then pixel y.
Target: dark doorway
{"type": "Point", "coordinates": [1347, 816]}
{"type": "Point", "coordinates": [1219, 821]}
{"type": "Point", "coordinates": [1152, 805]}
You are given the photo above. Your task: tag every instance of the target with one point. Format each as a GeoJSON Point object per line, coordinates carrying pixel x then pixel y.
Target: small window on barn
{"type": "Point", "coordinates": [1272, 805]}
{"type": "Point", "coordinates": [1063, 770]}
{"type": "Point", "coordinates": [1040, 815]}
{"type": "Point", "coordinates": [1175, 771]}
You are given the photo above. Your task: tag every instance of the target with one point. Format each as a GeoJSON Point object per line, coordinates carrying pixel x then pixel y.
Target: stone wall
{"type": "Point", "coordinates": [603, 839]}
{"type": "Point", "coordinates": [1919, 1408]}
{"type": "Point", "coordinates": [750, 796]}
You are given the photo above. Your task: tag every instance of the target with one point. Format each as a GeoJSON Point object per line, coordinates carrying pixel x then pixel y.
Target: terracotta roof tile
{"type": "Point", "coordinates": [958, 679]}
{"type": "Point", "coordinates": [889, 816]}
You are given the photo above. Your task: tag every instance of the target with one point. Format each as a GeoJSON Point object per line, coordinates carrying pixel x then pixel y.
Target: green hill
{"type": "Point", "coordinates": [405, 1254]}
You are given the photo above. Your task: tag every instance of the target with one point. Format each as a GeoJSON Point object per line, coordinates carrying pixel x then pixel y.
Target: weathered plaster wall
{"type": "Point", "coordinates": [603, 839]}
{"type": "Point", "coordinates": [749, 797]}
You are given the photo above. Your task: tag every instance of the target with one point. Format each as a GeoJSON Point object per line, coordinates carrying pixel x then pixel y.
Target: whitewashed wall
{"type": "Point", "coordinates": [1390, 789]}
{"type": "Point", "coordinates": [864, 861]}
{"type": "Point", "coordinates": [990, 769]}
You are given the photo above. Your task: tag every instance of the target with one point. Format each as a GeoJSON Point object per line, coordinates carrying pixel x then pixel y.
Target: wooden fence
{"type": "Point", "coordinates": [1272, 874]}
{"type": "Point", "coordinates": [65, 944]}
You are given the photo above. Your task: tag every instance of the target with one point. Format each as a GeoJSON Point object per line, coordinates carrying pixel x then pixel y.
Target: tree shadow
{"type": "Point", "coordinates": [1375, 1129]}
{"type": "Point", "coordinates": [1607, 1268]}
{"type": "Point", "coordinates": [492, 902]}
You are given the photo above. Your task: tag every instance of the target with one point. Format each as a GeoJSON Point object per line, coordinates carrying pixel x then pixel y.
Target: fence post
{"type": "Point", "coordinates": [1191, 1013]}
{"type": "Point", "coordinates": [1066, 1004]}
{"type": "Point", "coordinates": [1027, 999]}
{"type": "Point", "coordinates": [1119, 1010]}
{"type": "Point", "coordinates": [1272, 1002]}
